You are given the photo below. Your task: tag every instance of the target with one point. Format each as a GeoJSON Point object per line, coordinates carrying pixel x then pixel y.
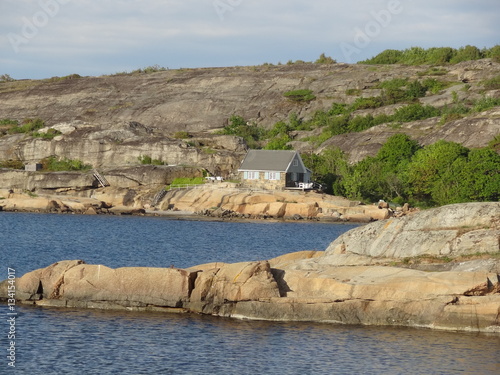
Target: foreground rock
{"type": "Point", "coordinates": [348, 286]}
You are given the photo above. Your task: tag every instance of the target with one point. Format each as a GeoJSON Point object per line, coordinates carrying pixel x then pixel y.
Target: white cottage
{"type": "Point", "coordinates": [274, 169]}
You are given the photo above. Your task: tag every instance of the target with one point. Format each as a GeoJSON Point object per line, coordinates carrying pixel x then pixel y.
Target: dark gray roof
{"type": "Point", "coordinates": [267, 160]}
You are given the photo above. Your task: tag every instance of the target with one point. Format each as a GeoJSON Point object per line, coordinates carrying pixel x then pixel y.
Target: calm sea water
{"type": "Point", "coordinates": [71, 341]}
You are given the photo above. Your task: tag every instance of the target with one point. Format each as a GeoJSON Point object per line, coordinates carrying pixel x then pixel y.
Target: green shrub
{"type": "Point", "coordinates": [27, 126]}
{"type": "Point", "coordinates": [8, 121]}
{"type": "Point", "coordinates": [182, 135]}
{"type": "Point", "coordinates": [439, 56]}
{"type": "Point", "coordinates": [54, 164]}
{"type": "Point", "coordinates": [493, 53]}
{"type": "Point", "coordinates": [144, 159]}
{"type": "Point", "coordinates": [149, 69]}
{"type": "Point", "coordinates": [300, 95]}
{"type": "Point", "coordinates": [360, 123]}
{"type": "Point", "coordinates": [319, 139]}
{"type": "Point", "coordinates": [279, 143]}
{"type": "Point", "coordinates": [389, 56]}
{"type": "Point", "coordinates": [433, 85]}
{"type": "Point", "coordinates": [485, 103]}
{"type": "Point", "coordinates": [414, 112]}
{"type": "Point", "coordinates": [49, 134]}
{"type": "Point", "coordinates": [415, 90]}
{"type": "Point", "coordinates": [495, 143]}
{"type": "Point", "coordinates": [338, 109]}
{"type": "Point", "coordinates": [338, 124]}
{"type": "Point", "coordinates": [395, 83]}
{"type": "Point", "coordinates": [366, 103]}
{"type": "Point", "coordinates": [492, 84]}
{"type": "Point", "coordinates": [456, 108]}
{"type": "Point", "coordinates": [6, 78]}
{"type": "Point", "coordinates": [323, 59]}
{"type": "Point", "coordinates": [434, 71]}
{"type": "Point", "coordinates": [239, 127]}
{"type": "Point", "coordinates": [466, 53]}
{"type": "Point", "coordinates": [353, 92]}
{"type": "Point", "coordinates": [12, 164]}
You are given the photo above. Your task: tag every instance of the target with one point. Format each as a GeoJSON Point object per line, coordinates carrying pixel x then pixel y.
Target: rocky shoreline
{"type": "Point", "coordinates": [134, 191]}
{"type": "Point", "coordinates": [376, 274]}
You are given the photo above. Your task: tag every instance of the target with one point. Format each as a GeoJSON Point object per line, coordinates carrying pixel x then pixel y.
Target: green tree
{"type": "Point", "coordinates": [279, 143]}
{"type": "Point", "coordinates": [429, 165]}
{"type": "Point", "coordinates": [439, 56]}
{"type": "Point", "coordinates": [398, 148]}
{"type": "Point", "coordinates": [466, 53]}
{"type": "Point", "coordinates": [367, 180]}
{"type": "Point", "coordinates": [394, 157]}
{"type": "Point", "coordinates": [323, 59]}
{"type": "Point", "coordinates": [483, 175]}
{"type": "Point", "coordinates": [330, 168]}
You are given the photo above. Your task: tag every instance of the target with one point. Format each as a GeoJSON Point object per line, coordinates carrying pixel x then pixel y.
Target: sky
{"type": "Point", "coordinates": [47, 38]}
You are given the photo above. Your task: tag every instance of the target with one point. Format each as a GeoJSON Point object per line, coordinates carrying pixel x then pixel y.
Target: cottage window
{"type": "Point", "coordinates": [251, 175]}
{"type": "Point", "coordinates": [272, 176]}
{"type": "Point", "coordinates": [295, 163]}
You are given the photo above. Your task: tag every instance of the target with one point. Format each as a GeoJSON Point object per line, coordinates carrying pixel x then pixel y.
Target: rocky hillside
{"type": "Point", "coordinates": [171, 115]}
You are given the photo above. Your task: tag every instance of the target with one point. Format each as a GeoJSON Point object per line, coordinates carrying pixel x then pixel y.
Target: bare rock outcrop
{"type": "Point", "coordinates": [112, 120]}
{"type": "Point", "coordinates": [219, 200]}
{"type": "Point", "coordinates": [448, 230]}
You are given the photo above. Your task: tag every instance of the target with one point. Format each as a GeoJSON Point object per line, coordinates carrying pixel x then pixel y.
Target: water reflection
{"type": "Point", "coordinates": [135, 343]}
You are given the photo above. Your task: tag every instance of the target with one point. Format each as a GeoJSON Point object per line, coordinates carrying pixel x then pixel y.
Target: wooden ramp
{"type": "Point", "coordinates": [100, 178]}
{"type": "Point", "coordinates": [158, 197]}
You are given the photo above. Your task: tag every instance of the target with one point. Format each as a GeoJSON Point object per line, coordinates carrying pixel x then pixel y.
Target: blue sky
{"type": "Point", "coordinates": [46, 38]}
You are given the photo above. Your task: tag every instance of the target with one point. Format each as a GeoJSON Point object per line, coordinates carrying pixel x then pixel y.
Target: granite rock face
{"type": "Point", "coordinates": [110, 121]}
{"type": "Point", "coordinates": [451, 230]}
{"type": "Point", "coordinates": [221, 200]}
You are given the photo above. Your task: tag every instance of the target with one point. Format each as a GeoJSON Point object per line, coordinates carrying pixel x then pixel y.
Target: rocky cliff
{"type": "Point", "coordinates": [171, 117]}
{"type": "Point", "coordinates": [112, 120]}
{"type": "Point", "coordinates": [347, 285]}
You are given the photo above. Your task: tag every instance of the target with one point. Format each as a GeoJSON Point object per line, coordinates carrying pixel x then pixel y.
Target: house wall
{"type": "Point", "coordinates": [296, 166]}
{"type": "Point", "coordinates": [263, 182]}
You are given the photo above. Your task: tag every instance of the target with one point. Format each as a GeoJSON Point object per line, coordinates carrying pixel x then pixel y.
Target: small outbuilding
{"type": "Point", "coordinates": [33, 167]}
{"type": "Point", "coordinates": [274, 169]}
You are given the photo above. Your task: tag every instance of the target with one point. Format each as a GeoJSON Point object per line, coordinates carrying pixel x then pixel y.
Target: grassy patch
{"type": "Point", "coordinates": [12, 164]}
{"type": "Point", "coordinates": [182, 135]}
{"type": "Point", "coordinates": [434, 71]}
{"type": "Point", "coordinates": [56, 164]}
{"type": "Point", "coordinates": [492, 84]}
{"type": "Point", "coordinates": [183, 181]}
{"type": "Point", "coordinates": [59, 79]}
{"type": "Point", "coordinates": [353, 92]}
{"type": "Point", "coordinates": [27, 126]}
{"type": "Point", "coordinates": [300, 95]}
{"type": "Point", "coordinates": [147, 160]}
{"type": "Point", "coordinates": [49, 134]}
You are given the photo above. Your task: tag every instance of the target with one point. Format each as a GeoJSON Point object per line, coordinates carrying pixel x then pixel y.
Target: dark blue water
{"type": "Point", "coordinates": [71, 341]}
{"type": "Point", "coordinates": [31, 241]}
